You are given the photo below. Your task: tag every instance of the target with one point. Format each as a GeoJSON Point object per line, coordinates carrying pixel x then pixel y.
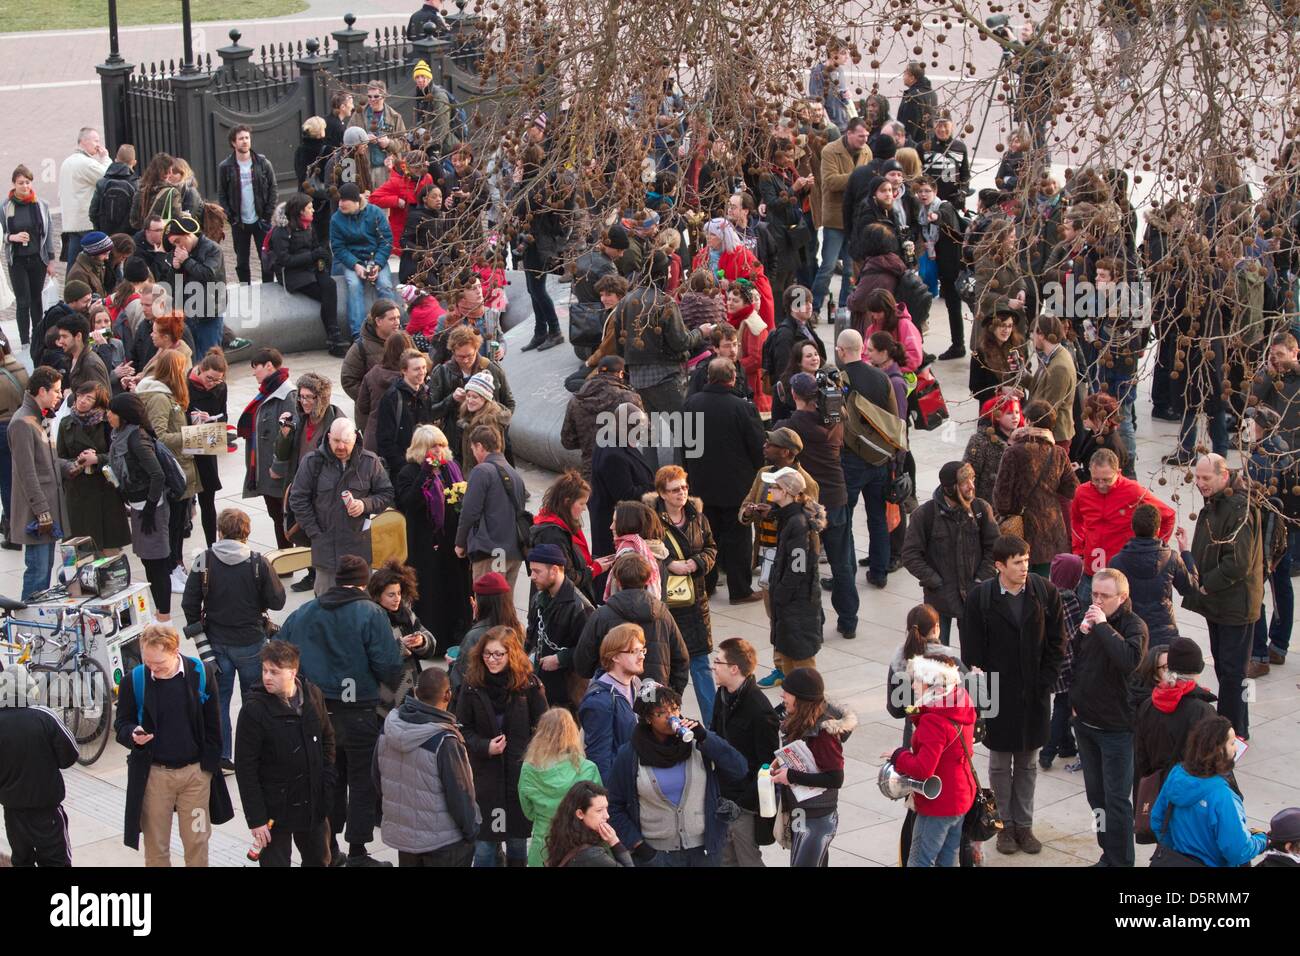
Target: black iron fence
{"type": "Point", "coordinates": [188, 109]}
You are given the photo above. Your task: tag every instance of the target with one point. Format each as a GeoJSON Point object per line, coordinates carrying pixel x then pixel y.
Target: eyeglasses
{"type": "Point", "coordinates": [1104, 597]}
{"type": "Point", "coordinates": [720, 662]}
{"type": "Point", "coordinates": [374, 96]}
{"type": "Point", "coordinates": [636, 652]}
{"type": "Point", "coordinates": [673, 491]}
{"type": "Point", "coordinates": [493, 655]}
{"type": "Point", "coordinates": [307, 395]}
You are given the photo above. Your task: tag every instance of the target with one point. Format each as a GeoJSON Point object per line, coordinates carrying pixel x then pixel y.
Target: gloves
{"type": "Point", "coordinates": [644, 854]}
{"type": "Point", "coordinates": [700, 734]}
{"type": "Point", "coordinates": [44, 523]}
{"type": "Point", "coordinates": [148, 517]}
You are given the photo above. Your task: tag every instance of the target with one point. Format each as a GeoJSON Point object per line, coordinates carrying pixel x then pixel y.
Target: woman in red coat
{"type": "Point", "coordinates": [943, 737]}
{"type": "Point", "coordinates": [724, 250]}
{"type": "Point", "coordinates": [753, 333]}
{"type": "Point", "coordinates": [398, 193]}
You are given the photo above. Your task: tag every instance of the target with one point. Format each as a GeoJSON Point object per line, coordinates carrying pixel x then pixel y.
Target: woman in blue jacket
{"type": "Point", "coordinates": [663, 791]}
{"type": "Point", "coordinates": [1197, 813]}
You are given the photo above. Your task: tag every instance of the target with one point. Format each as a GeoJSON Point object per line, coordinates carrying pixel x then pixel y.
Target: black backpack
{"type": "Point", "coordinates": [115, 202]}
{"type": "Point", "coordinates": [173, 475]}
{"type": "Point", "coordinates": [912, 292]}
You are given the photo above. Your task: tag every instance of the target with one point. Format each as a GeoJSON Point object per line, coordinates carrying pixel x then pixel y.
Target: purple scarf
{"type": "Point", "coordinates": [435, 491]}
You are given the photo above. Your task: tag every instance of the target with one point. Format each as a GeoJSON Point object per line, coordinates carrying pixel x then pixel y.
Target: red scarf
{"type": "Point", "coordinates": [248, 420]}
{"type": "Point", "coordinates": [1165, 698]}
{"type": "Point", "coordinates": [31, 197]}
{"type": "Point", "coordinates": [579, 539]}
{"type": "Point", "coordinates": [737, 319]}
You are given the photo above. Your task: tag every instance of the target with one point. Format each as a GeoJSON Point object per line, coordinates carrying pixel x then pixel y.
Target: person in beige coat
{"type": "Point", "coordinates": [1056, 379]}
{"type": "Point", "coordinates": [13, 389]}
{"type": "Point", "coordinates": [839, 159]}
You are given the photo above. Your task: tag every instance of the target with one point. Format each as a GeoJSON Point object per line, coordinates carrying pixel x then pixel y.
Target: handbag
{"type": "Point", "coordinates": [1148, 789]}
{"type": "Point", "coordinates": [982, 819]}
{"type": "Point", "coordinates": [928, 408]}
{"type": "Point", "coordinates": [679, 589]}
{"type": "Point", "coordinates": [1015, 524]}
{"type": "Point", "coordinates": [587, 323]}
{"type": "Point", "coordinates": [967, 285]}
{"type": "Point", "coordinates": [1166, 855]}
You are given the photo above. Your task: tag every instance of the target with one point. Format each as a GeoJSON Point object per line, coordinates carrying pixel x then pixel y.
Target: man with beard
{"type": "Point", "coordinates": [949, 546]}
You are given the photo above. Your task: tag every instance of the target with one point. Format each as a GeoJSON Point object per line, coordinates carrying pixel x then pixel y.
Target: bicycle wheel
{"type": "Point", "coordinates": [83, 700]}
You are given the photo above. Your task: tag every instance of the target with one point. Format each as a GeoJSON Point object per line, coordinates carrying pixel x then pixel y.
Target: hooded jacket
{"type": "Point", "coordinates": [1164, 720]}
{"type": "Point", "coordinates": [400, 412]}
{"type": "Point", "coordinates": [1100, 525]}
{"type": "Point", "coordinates": [366, 352]}
{"type": "Point", "coordinates": [667, 661]}
{"type": "Point", "coordinates": [877, 272]}
{"type": "Point", "coordinates": [1229, 559]}
{"type": "Point", "coordinates": [314, 499]}
{"type": "Point", "coordinates": [793, 586]}
{"type": "Point", "coordinates": [607, 722]}
{"type": "Point", "coordinates": [35, 747]}
{"type": "Point", "coordinates": [949, 550]}
{"type": "Point", "coordinates": [487, 514]}
{"type": "Point", "coordinates": [695, 541]}
{"type": "Point", "coordinates": [241, 587]}
{"type": "Point", "coordinates": [286, 768]}
{"type": "Point", "coordinates": [1103, 662]}
{"type": "Point", "coordinates": [541, 789]}
{"type": "Point", "coordinates": [825, 739]}
{"type": "Point", "coordinates": [168, 418]}
{"type": "Point", "coordinates": [423, 780]}
{"type": "Point", "coordinates": [360, 237]}
{"type": "Point", "coordinates": [649, 330]}
{"type": "Point", "coordinates": [916, 109]}
{"type": "Point", "coordinates": [346, 644]}
{"type": "Point", "coordinates": [1205, 819]}
{"type": "Point", "coordinates": [937, 751]}
{"type": "Point", "coordinates": [1154, 572]}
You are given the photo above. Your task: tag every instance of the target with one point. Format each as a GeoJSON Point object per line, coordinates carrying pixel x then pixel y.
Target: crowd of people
{"type": "Point", "coordinates": [413, 697]}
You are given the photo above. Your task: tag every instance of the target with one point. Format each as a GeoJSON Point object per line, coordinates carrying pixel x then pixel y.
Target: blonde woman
{"type": "Point", "coordinates": [425, 490]}
{"type": "Point", "coordinates": [553, 763]}
{"type": "Point", "coordinates": [669, 242]}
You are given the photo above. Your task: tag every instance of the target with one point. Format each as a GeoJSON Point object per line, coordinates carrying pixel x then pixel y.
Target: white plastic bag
{"type": "Point", "coordinates": [50, 293]}
{"type": "Point", "coordinates": [6, 293]}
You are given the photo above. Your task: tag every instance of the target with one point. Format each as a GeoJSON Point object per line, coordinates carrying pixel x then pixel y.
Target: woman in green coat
{"type": "Point", "coordinates": [553, 762]}
{"type": "Point", "coordinates": [95, 509]}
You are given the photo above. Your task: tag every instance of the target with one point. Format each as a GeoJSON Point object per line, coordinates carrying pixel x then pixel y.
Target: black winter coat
{"type": "Point", "coordinates": [34, 748]}
{"type": "Point", "coordinates": [797, 615]}
{"type": "Point", "coordinates": [617, 474]}
{"type": "Point", "coordinates": [695, 542]}
{"type": "Point", "coordinates": [263, 187]}
{"type": "Point", "coordinates": [916, 109]}
{"type": "Point", "coordinates": [238, 594]}
{"type": "Point", "coordinates": [731, 439]}
{"type": "Point", "coordinates": [556, 632]}
{"type": "Point", "coordinates": [296, 252]}
{"type": "Point", "coordinates": [782, 339]}
{"type": "Point", "coordinates": [1154, 572]}
{"type": "Point", "coordinates": [577, 571]}
{"type": "Point", "coordinates": [1160, 739]}
{"type": "Point", "coordinates": [1104, 661]}
{"type": "Point", "coordinates": [1026, 658]}
{"type": "Point", "coordinates": [666, 662]}
{"type": "Point", "coordinates": [496, 777]}
{"type": "Point", "coordinates": [747, 721]}
{"type": "Point", "coordinates": [950, 550]}
{"type": "Point", "coordinates": [401, 411]}
{"type": "Point", "coordinates": [285, 769]}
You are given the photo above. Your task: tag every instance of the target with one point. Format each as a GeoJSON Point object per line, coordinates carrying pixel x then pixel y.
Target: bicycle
{"type": "Point", "coordinates": [76, 687]}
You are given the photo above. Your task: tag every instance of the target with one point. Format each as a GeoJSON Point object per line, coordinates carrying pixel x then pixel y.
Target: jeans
{"type": "Point", "coordinates": [455, 855]}
{"type": "Point", "coordinates": [232, 659]}
{"type": "Point", "coordinates": [838, 541]}
{"type": "Point", "coordinates": [678, 859]}
{"type": "Point", "coordinates": [545, 321]}
{"type": "Point", "coordinates": [6, 469]}
{"type": "Point", "coordinates": [1013, 775]}
{"type": "Point", "coordinates": [1107, 757]}
{"type": "Point", "coordinates": [1123, 388]}
{"type": "Point", "coordinates": [935, 841]}
{"type": "Point", "coordinates": [1060, 742]}
{"type": "Point", "coordinates": [1230, 646]}
{"type": "Point", "coordinates": [1278, 633]}
{"type": "Point", "coordinates": [1218, 432]}
{"type": "Point", "coordinates": [71, 246]}
{"type": "Point", "coordinates": [811, 838]}
{"type": "Point", "coordinates": [27, 276]}
{"type": "Point", "coordinates": [872, 483]}
{"type": "Point", "coordinates": [485, 851]}
{"type": "Point", "coordinates": [39, 560]}
{"type": "Point", "coordinates": [357, 295]}
{"type": "Point", "coordinates": [1163, 393]}
{"type": "Point", "coordinates": [356, 729]}
{"type": "Point", "coordinates": [945, 630]}
{"type": "Point", "coordinates": [206, 332]}
{"type": "Point", "coordinates": [705, 690]}
{"type": "Point", "coordinates": [241, 234]}
{"type": "Point", "coordinates": [834, 248]}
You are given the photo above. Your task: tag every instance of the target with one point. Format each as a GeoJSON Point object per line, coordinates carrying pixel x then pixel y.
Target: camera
{"type": "Point", "coordinates": [830, 396]}
{"type": "Point", "coordinates": [201, 643]}
{"type": "Point", "coordinates": [1000, 24]}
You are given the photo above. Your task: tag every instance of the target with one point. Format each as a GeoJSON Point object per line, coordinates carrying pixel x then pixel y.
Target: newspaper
{"type": "Point", "coordinates": [797, 756]}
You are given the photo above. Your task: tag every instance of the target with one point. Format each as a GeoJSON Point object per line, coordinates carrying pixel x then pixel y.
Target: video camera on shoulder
{"type": "Point", "coordinates": [830, 396]}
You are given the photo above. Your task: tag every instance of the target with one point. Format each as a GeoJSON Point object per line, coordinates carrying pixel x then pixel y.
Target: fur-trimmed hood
{"type": "Point", "coordinates": [838, 719]}
{"type": "Point", "coordinates": [651, 498]}
{"type": "Point", "coordinates": [816, 515]}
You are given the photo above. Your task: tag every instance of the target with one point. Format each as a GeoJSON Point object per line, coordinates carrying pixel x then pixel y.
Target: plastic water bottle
{"type": "Point", "coordinates": [680, 729]}
{"type": "Point", "coordinates": [255, 852]}
{"type": "Point", "coordinates": [766, 792]}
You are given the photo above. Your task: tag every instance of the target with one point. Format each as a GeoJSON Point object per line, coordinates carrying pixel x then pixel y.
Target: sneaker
{"type": "Point", "coordinates": [178, 580]}
{"type": "Point", "coordinates": [533, 343]}
{"type": "Point", "coordinates": [237, 344]}
{"type": "Point", "coordinates": [1160, 413]}
{"type": "Point", "coordinates": [552, 340]}
{"type": "Point", "coordinates": [1045, 762]}
{"type": "Point", "coordinates": [306, 584]}
{"type": "Point", "coordinates": [1074, 767]}
{"type": "Point", "coordinates": [774, 679]}
{"type": "Point", "coordinates": [749, 598]}
{"type": "Point", "coordinates": [1007, 841]}
{"type": "Point", "coordinates": [953, 352]}
{"type": "Point", "coordinates": [1257, 669]}
{"type": "Point", "coordinates": [1026, 840]}
{"type": "Point", "coordinates": [365, 859]}
{"type": "Point", "coordinates": [866, 563]}
{"type": "Point", "coordinates": [877, 582]}
{"type": "Point", "coordinates": [1275, 656]}
{"type": "Point", "coordinates": [828, 584]}
{"type": "Point", "coordinates": [847, 635]}
{"type": "Point", "coordinates": [1177, 459]}
{"type": "Point", "coordinates": [227, 766]}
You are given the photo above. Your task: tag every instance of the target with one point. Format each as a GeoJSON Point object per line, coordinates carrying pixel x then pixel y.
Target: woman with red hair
{"type": "Point", "coordinates": [724, 251]}
{"type": "Point", "coordinates": [999, 417]}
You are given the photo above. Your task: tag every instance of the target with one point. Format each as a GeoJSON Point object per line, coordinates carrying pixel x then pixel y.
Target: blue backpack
{"type": "Point", "coordinates": [137, 684]}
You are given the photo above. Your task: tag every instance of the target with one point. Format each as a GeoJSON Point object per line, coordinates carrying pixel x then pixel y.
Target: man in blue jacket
{"type": "Point", "coordinates": [675, 820]}
{"type": "Point", "coordinates": [347, 651]}
{"type": "Point", "coordinates": [360, 241]}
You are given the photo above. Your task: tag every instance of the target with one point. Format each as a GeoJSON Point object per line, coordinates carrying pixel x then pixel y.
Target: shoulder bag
{"type": "Point", "coordinates": [982, 819]}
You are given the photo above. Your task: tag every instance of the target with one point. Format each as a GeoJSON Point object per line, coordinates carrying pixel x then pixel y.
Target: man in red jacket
{"type": "Point", "coordinates": [1101, 516]}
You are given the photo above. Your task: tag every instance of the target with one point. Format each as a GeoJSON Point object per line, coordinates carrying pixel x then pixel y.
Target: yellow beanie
{"type": "Point", "coordinates": [422, 70]}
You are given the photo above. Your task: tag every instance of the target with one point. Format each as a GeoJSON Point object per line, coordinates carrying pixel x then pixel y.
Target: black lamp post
{"type": "Point", "coordinates": [114, 56]}
{"type": "Point", "coordinates": [187, 66]}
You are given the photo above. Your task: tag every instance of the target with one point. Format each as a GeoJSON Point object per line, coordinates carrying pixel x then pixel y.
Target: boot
{"type": "Point", "coordinates": [1007, 840]}
{"type": "Point", "coordinates": [4, 530]}
{"type": "Point", "coordinates": [308, 583]}
{"type": "Point", "coordinates": [1026, 840]}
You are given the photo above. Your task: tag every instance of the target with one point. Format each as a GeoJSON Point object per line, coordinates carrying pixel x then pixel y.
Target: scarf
{"type": "Point", "coordinates": [434, 488]}
{"type": "Point", "coordinates": [92, 419]}
{"type": "Point", "coordinates": [1165, 698]}
{"type": "Point", "coordinates": [248, 418]}
{"type": "Point", "coordinates": [31, 197]}
{"type": "Point", "coordinates": [650, 752]}
{"type": "Point", "coordinates": [117, 449]}
{"type": "Point", "coordinates": [930, 230]}
{"type": "Point", "coordinates": [497, 689]}
{"type": "Point", "coordinates": [578, 537]}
